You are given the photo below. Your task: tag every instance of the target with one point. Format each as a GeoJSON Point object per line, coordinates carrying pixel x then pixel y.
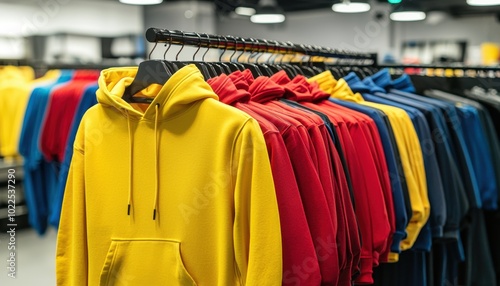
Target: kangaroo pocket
{"type": "Point", "coordinates": [144, 262]}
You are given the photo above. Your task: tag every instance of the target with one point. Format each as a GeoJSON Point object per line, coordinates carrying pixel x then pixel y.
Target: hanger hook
{"type": "Point", "coordinates": [271, 56]}
{"type": "Point", "coordinates": [199, 46]}
{"type": "Point", "coordinates": [244, 49]}
{"type": "Point", "coordinates": [287, 50]}
{"type": "Point", "coordinates": [254, 48]}
{"type": "Point", "coordinates": [150, 53]}
{"type": "Point", "coordinates": [276, 52]}
{"type": "Point", "coordinates": [182, 47]}
{"type": "Point", "coordinates": [265, 49]}
{"type": "Point", "coordinates": [235, 48]}
{"type": "Point", "coordinates": [225, 48]}
{"type": "Point", "coordinates": [208, 48]}
{"type": "Point", "coordinates": [169, 46]}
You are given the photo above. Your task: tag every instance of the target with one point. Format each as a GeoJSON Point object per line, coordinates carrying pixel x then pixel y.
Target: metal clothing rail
{"type": "Point", "coordinates": [155, 35]}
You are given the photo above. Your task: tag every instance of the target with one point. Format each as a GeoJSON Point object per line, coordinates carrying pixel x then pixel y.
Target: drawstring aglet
{"type": "Point", "coordinates": [128, 209]}
{"type": "Point", "coordinates": [154, 214]}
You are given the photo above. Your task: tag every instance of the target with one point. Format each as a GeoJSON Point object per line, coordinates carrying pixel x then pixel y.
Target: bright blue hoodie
{"type": "Point", "coordinates": [40, 177]}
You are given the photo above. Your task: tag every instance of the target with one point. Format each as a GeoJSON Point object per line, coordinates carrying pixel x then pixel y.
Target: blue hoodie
{"type": "Point", "coordinates": [40, 177]}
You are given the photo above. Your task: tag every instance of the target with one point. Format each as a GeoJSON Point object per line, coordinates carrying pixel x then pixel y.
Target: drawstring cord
{"type": "Point", "coordinates": [131, 146]}
{"type": "Point", "coordinates": [131, 154]}
{"type": "Point", "coordinates": [155, 207]}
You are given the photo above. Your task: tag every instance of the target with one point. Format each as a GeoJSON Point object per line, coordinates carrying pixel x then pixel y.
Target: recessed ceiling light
{"type": "Point", "coordinates": [408, 16]}
{"type": "Point", "coordinates": [483, 2]}
{"type": "Point", "coordinates": [244, 11]}
{"type": "Point", "coordinates": [268, 15]}
{"type": "Point", "coordinates": [141, 2]}
{"type": "Point", "coordinates": [351, 7]}
{"type": "Point", "coordinates": [267, 18]}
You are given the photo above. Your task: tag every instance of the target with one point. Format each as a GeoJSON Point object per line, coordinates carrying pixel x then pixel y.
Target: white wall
{"type": "Point", "coordinates": [189, 16]}
{"type": "Point", "coordinates": [474, 30]}
{"type": "Point", "coordinates": [44, 17]}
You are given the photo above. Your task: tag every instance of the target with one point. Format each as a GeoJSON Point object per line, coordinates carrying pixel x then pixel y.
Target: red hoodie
{"type": "Point", "coordinates": [61, 109]}
{"type": "Point", "coordinates": [370, 204]}
{"type": "Point", "coordinates": [374, 142]}
{"type": "Point", "coordinates": [348, 232]}
{"type": "Point", "coordinates": [297, 243]}
{"type": "Point", "coordinates": [312, 193]}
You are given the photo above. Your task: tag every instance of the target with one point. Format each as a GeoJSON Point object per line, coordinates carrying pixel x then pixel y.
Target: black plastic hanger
{"type": "Point", "coordinates": [149, 72]}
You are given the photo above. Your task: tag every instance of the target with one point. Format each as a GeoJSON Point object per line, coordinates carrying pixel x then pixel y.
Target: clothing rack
{"type": "Point", "coordinates": [156, 35]}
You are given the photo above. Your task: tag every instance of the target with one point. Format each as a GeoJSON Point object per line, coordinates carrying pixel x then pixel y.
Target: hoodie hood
{"type": "Point", "coordinates": [356, 84]}
{"type": "Point", "coordinates": [325, 81]}
{"type": "Point", "coordinates": [242, 79]}
{"type": "Point", "coordinates": [297, 89]}
{"type": "Point", "coordinates": [227, 91]}
{"type": "Point", "coordinates": [13, 73]}
{"type": "Point", "coordinates": [372, 85]}
{"type": "Point", "coordinates": [336, 88]}
{"type": "Point", "coordinates": [185, 87]}
{"type": "Point", "coordinates": [383, 79]}
{"type": "Point", "coordinates": [404, 83]}
{"type": "Point", "coordinates": [263, 89]}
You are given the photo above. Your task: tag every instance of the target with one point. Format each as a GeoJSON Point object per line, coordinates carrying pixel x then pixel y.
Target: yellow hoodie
{"type": "Point", "coordinates": [409, 149]}
{"type": "Point", "coordinates": [178, 192]}
{"type": "Point", "coordinates": [16, 85]}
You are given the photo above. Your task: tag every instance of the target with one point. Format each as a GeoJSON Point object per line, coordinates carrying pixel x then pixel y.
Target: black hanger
{"type": "Point", "coordinates": [149, 72]}
{"type": "Point", "coordinates": [231, 64]}
{"type": "Point", "coordinates": [336, 72]}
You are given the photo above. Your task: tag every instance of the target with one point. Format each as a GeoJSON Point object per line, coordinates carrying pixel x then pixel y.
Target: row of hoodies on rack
{"type": "Point", "coordinates": [293, 181]}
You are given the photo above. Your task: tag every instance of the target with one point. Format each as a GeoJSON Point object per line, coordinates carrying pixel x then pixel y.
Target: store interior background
{"type": "Point", "coordinates": [71, 32]}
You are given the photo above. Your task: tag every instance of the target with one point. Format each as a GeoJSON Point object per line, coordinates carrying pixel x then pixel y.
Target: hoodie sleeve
{"type": "Point", "coordinates": [71, 256]}
{"type": "Point", "coordinates": [256, 232]}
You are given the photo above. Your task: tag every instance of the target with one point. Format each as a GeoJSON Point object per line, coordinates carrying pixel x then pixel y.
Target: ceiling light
{"type": "Point", "coordinates": [407, 12]}
{"type": "Point", "coordinates": [483, 2]}
{"type": "Point", "coordinates": [267, 18]}
{"type": "Point", "coordinates": [347, 6]}
{"type": "Point", "coordinates": [245, 11]}
{"type": "Point", "coordinates": [408, 16]}
{"type": "Point", "coordinates": [268, 15]}
{"type": "Point", "coordinates": [141, 2]}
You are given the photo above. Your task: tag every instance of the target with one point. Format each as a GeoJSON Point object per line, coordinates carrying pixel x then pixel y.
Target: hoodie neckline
{"type": "Point", "coordinates": [263, 89]}
{"type": "Point", "coordinates": [170, 99]}
{"type": "Point", "coordinates": [227, 91]}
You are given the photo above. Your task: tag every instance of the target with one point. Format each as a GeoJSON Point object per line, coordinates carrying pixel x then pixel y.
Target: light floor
{"type": "Point", "coordinates": [35, 259]}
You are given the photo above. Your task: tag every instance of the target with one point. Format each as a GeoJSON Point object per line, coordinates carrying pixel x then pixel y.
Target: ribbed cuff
{"type": "Point", "coordinates": [396, 241]}
{"type": "Point", "coordinates": [376, 258]}
{"type": "Point", "coordinates": [437, 231]}
{"type": "Point", "coordinates": [393, 257]}
{"type": "Point", "coordinates": [366, 272]}
{"type": "Point", "coordinates": [451, 234]}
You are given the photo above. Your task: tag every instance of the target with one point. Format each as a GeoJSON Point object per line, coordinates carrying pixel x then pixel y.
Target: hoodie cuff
{"type": "Point", "coordinates": [393, 257]}
{"type": "Point", "coordinates": [451, 234]}
{"type": "Point", "coordinates": [437, 231]}
{"type": "Point", "coordinates": [366, 271]}
{"type": "Point", "coordinates": [396, 241]}
{"type": "Point", "coordinates": [376, 258]}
